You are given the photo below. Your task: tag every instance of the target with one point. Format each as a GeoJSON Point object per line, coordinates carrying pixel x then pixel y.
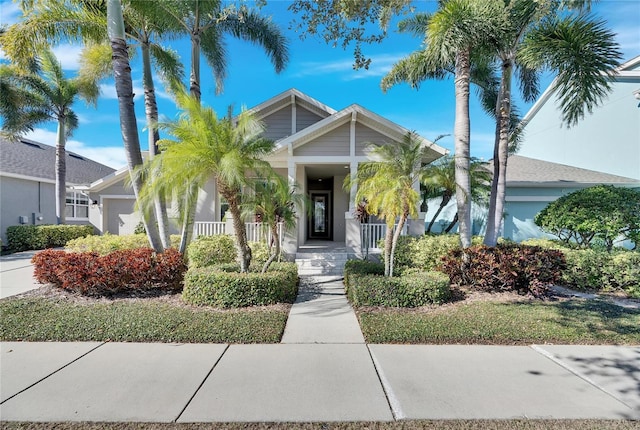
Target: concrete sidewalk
{"type": "Point", "coordinates": [314, 382]}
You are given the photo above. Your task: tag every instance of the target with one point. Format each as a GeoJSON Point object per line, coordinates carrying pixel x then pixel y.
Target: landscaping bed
{"type": "Point", "coordinates": [51, 314]}
{"type": "Point", "coordinates": [503, 319]}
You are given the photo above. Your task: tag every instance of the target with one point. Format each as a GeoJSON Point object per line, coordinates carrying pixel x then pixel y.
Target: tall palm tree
{"type": "Point", "coordinates": [275, 202]}
{"type": "Point", "coordinates": [439, 180]}
{"type": "Point", "coordinates": [453, 38]}
{"type": "Point", "coordinates": [387, 185]}
{"type": "Point", "coordinates": [40, 95]}
{"type": "Point", "coordinates": [206, 146]}
{"type": "Point", "coordinates": [206, 22]}
{"type": "Point", "coordinates": [128, 124]}
{"type": "Point", "coordinates": [540, 36]}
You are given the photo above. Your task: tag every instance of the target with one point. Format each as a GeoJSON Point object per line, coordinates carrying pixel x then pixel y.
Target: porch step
{"type": "Point", "coordinates": [321, 263]}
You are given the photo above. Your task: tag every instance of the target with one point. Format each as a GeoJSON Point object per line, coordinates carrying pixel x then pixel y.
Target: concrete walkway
{"type": "Point", "coordinates": [16, 274]}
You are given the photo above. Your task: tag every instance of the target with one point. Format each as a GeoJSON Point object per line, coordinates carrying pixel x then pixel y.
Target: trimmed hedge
{"type": "Point", "coordinates": [599, 270]}
{"type": "Point", "coordinates": [207, 251]}
{"type": "Point", "coordinates": [91, 274]}
{"type": "Point", "coordinates": [209, 286]}
{"type": "Point", "coordinates": [506, 267]}
{"type": "Point", "coordinates": [108, 243]}
{"type": "Point", "coordinates": [28, 237]}
{"type": "Point", "coordinates": [361, 267]}
{"type": "Point", "coordinates": [410, 290]}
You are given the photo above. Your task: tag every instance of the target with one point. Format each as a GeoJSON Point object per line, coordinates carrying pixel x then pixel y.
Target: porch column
{"type": "Point", "coordinates": [290, 238]}
{"type": "Point", "coordinates": [352, 191]}
{"type": "Point", "coordinates": [416, 225]}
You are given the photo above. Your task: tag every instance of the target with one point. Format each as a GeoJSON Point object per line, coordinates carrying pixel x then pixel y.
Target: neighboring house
{"type": "Point", "coordinates": [316, 147]}
{"type": "Point", "coordinates": [532, 184]}
{"type": "Point", "coordinates": [606, 140]}
{"type": "Point", "coordinates": [27, 184]}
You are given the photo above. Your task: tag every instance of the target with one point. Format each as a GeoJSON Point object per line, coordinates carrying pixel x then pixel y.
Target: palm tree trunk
{"type": "Point", "coordinates": [151, 112]}
{"type": "Point", "coordinates": [128, 124]}
{"type": "Point", "coordinates": [240, 229]}
{"type": "Point", "coordinates": [61, 173]}
{"type": "Point", "coordinates": [276, 238]}
{"type": "Point", "coordinates": [452, 224]}
{"type": "Point", "coordinates": [445, 200]}
{"type": "Point", "coordinates": [500, 156]}
{"type": "Point", "coordinates": [394, 242]}
{"type": "Point", "coordinates": [462, 135]}
{"type": "Point", "coordinates": [388, 240]}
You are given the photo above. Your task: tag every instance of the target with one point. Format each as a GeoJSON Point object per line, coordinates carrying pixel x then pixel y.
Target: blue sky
{"type": "Point", "coordinates": [315, 68]}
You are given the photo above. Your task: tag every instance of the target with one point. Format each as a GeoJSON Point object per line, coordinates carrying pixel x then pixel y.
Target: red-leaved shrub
{"type": "Point", "coordinates": [91, 274]}
{"type": "Point", "coordinates": [506, 267]}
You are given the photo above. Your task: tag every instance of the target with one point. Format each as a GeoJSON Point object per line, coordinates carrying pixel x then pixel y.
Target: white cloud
{"type": "Point", "coordinates": [380, 65]}
{"type": "Point", "coordinates": [10, 12]}
{"type": "Point", "coordinates": [112, 156]}
{"type": "Point", "coordinates": [68, 55]}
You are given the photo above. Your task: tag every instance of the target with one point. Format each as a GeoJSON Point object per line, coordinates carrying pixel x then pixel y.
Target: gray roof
{"type": "Point", "coordinates": [34, 159]}
{"type": "Point", "coordinates": [522, 170]}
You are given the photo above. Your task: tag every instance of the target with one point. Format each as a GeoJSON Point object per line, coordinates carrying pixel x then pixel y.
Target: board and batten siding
{"type": "Point", "coordinates": [335, 142]}
{"type": "Point", "coordinates": [365, 136]}
{"type": "Point", "coordinates": [305, 118]}
{"type": "Point", "coordinates": [278, 124]}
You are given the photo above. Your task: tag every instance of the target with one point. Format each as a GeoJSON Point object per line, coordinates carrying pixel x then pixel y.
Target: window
{"type": "Point", "coordinates": [77, 205]}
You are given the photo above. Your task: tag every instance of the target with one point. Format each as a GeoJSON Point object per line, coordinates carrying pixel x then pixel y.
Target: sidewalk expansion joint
{"type": "Point", "coordinates": [576, 372]}
{"type": "Point", "coordinates": [53, 373]}
{"type": "Point", "coordinates": [392, 399]}
{"type": "Point", "coordinates": [202, 383]}
{"type": "Point", "coordinates": [14, 268]}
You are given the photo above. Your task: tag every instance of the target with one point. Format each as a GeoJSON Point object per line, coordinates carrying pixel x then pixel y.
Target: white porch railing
{"type": "Point", "coordinates": [256, 231]}
{"type": "Point", "coordinates": [201, 228]}
{"type": "Point", "coordinates": [370, 234]}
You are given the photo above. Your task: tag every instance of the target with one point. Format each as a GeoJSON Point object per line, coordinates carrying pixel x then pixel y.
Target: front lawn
{"type": "Point", "coordinates": [163, 319]}
{"type": "Point", "coordinates": [504, 322]}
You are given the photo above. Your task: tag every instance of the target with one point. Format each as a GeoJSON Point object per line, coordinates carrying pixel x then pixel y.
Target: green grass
{"type": "Point", "coordinates": [44, 319]}
{"type": "Point", "coordinates": [404, 425]}
{"type": "Point", "coordinates": [520, 323]}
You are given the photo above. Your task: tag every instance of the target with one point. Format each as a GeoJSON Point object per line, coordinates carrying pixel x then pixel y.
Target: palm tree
{"type": "Point", "coordinates": [40, 95]}
{"type": "Point", "coordinates": [128, 124]}
{"type": "Point", "coordinates": [387, 185]}
{"type": "Point", "coordinates": [206, 23]}
{"type": "Point", "coordinates": [205, 146]}
{"type": "Point", "coordinates": [275, 202]}
{"type": "Point", "coordinates": [439, 181]}
{"type": "Point", "coordinates": [453, 38]}
{"type": "Point", "coordinates": [540, 36]}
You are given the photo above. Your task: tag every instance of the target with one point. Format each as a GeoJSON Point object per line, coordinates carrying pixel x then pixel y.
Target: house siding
{"type": "Point", "coordinates": [305, 118]}
{"type": "Point", "coordinates": [605, 141]}
{"type": "Point", "coordinates": [278, 124]}
{"type": "Point", "coordinates": [364, 136]}
{"type": "Point", "coordinates": [335, 142]}
{"type": "Point", "coordinates": [120, 215]}
{"type": "Point", "coordinates": [29, 197]}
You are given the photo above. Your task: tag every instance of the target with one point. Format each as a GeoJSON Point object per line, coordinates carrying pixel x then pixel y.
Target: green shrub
{"type": "Point", "coordinates": [411, 290]}
{"type": "Point", "coordinates": [425, 252]}
{"type": "Point", "coordinates": [108, 243]}
{"type": "Point", "coordinates": [506, 267]}
{"type": "Point", "coordinates": [361, 267]}
{"type": "Point", "coordinates": [28, 237]}
{"type": "Point", "coordinates": [623, 272]}
{"type": "Point", "coordinates": [211, 250]}
{"type": "Point", "coordinates": [221, 249]}
{"type": "Point", "coordinates": [211, 287]}
{"type": "Point", "coordinates": [128, 269]}
{"type": "Point", "coordinates": [584, 268]}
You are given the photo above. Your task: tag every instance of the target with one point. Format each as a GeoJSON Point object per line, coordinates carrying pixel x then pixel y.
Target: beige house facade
{"type": "Point", "coordinates": [317, 147]}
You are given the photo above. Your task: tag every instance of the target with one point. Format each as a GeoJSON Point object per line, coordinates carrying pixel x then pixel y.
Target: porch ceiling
{"type": "Point", "coordinates": [325, 171]}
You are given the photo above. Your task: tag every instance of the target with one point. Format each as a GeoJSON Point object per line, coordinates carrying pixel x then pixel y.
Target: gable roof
{"type": "Point", "coordinates": [289, 97]}
{"type": "Point", "coordinates": [34, 160]}
{"type": "Point", "coordinates": [353, 112]}
{"type": "Point", "coordinates": [627, 70]}
{"type": "Point", "coordinates": [528, 172]}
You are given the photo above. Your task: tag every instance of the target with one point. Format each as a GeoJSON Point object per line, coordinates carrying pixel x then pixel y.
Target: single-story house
{"type": "Point", "coordinates": [316, 147]}
{"type": "Point", "coordinates": [27, 184]}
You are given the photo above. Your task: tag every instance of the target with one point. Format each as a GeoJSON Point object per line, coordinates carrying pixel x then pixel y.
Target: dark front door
{"type": "Point", "coordinates": [320, 220]}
